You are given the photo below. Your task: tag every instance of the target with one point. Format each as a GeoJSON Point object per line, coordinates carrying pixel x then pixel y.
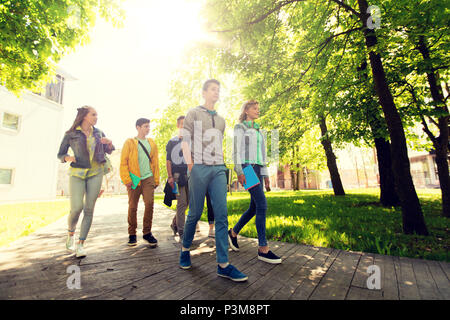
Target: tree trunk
{"type": "Point", "coordinates": [388, 192]}
{"type": "Point", "coordinates": [441, 143]}
{"type": "Point", "coordinates": [443, 173]}
{"type": "Point", "coordinates": [365, 172]}
{"type": "Point", "coordinates": [357, 170]}
{"type": "Point", "coordinates": [292, 173]}
{"type": "Point", "coordinates": [331, 161]}
{"type": "Point", "coordinates": [305, 177]}
{"type": "Point", "coordinates": [297, 181]}
{"type": "Point", "coordinates": [412, 216]}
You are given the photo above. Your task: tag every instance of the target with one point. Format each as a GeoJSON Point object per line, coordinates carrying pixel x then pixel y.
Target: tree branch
{"type": "Point", "coordinates": [428, 132]}
{"type": "Point", "coordinates": [322, 45]}
{"type": "Point", "coordinates": [260, 18]}
{"type": "Point", "coordinates": [339, 64]}
{"type": "Point", "coordinates": [327, 40]}
{"type": "Point", "coordinates": [424, 123]}
{"type": "Point", "coordinates": [433, 121]}
{"type": "Point", "coordinates": [348, 8]}
{"type": "Point", "coordinates": [271, 47]}
{"type": "Point", "coordinates": [281, 5]}
{"type": "Point", "coordinates": [448, 92]}
{"type": "Point", "coordinates": [426, 129]}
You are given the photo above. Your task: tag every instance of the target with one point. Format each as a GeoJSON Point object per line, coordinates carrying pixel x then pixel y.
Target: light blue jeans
{"type": "Point", "coordinates": [211, 178]}
{"type": "Point", "coordinates": [78, 189]}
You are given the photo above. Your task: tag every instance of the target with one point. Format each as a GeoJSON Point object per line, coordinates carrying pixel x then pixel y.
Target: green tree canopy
{"type": "Point", "coordinates": [321, 45]}
{"type": "Point", "coordinates": [199, 65]}
{"type": "Point", "coordinates": [36, 34]}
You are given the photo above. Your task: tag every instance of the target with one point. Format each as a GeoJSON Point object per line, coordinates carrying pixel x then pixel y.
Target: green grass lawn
{"type": "Point", "coordinates": [21, 219]}
{"type": "Point", "coordinates": [355, 222]}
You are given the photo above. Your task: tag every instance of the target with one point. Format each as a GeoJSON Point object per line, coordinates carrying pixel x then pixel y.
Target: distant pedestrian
{"type": "Point", "coordinates": [87, 166]}
{"type": "Point", "coordinates": [177, 174]}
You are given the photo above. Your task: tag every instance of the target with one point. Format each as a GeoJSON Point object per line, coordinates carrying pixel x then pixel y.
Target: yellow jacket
{"type": "Point", "coordinates": [129, 160]}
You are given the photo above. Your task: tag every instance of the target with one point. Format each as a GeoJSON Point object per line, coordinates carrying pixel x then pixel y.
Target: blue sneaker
{"type": "Point", "coordinates": [185, 260]}
{"type": "Point", "coordinates": [232, 273]}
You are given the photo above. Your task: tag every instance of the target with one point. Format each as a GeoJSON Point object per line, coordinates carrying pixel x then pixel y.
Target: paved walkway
{"type": "Point", "coordinates": [36, 267]}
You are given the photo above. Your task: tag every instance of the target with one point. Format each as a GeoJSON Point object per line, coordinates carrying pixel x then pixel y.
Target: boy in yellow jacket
{"type": "Point", "coordinates": [139, 157]}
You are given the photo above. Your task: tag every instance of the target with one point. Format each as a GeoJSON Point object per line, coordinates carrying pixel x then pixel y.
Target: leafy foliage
{"type": "Point", "coordinates": [36, 34]}
{"type": "Point", "coordinates": [186, 93]}
{"type": "Point", "coordinates": [311, 55]}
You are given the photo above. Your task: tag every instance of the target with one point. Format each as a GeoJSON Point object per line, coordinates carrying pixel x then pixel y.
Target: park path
{"type": "Point", "coordinates": [36, 267]}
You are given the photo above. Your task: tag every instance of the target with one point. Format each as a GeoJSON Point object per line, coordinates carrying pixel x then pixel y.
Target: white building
{"type": "Point", "coordinates": [30, 130]}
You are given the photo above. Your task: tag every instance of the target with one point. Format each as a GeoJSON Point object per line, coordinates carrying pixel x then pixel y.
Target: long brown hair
{"type": "Point", "coordinates": [82, 112]}
{"type": "Point", "coordinates": [245, 107]}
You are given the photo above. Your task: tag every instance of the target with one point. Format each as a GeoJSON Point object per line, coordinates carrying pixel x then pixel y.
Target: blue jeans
{"type": "Point", "coordinates": [78, 189]}
{"type": "Point", "coordinates": [258, 207]}
{"type": "Point", "coordinates": [211, 179]}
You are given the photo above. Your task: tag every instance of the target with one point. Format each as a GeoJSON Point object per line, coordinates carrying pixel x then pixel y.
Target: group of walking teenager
{"type": "Point", "coordinates": [195, 169]}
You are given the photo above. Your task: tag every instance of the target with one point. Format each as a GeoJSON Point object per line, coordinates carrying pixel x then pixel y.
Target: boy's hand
{"type": "Point", "coordinates": [171, 181]}
{"type": "Point", "coordinates": [267, 183]}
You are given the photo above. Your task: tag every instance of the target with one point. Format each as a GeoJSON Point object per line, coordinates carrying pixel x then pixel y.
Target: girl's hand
{"type": "Point", "coordinates": [105, 141]}
{"type": "Point", "coordinates": [70, 159]}
{"type": "Point", "coordinates": [241, 179]}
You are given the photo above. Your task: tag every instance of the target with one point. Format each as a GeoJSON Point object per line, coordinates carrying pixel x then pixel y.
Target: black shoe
{"type": "Point", "coordinates": [269, 257]}
{"type": "Point", "coordinates": [151, 239]}
{"type": "Point", "coordinates": [233, 241]}
{"type": "Point", "coordinates": [132, 242]}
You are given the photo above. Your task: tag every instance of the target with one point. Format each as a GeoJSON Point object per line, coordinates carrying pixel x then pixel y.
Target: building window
{"type": "Point", "coordinates": [6, 176]}
{"type": "Point", "coordinates": [54, 90]}
{"type": "Point", "coordinates": [9, 121]}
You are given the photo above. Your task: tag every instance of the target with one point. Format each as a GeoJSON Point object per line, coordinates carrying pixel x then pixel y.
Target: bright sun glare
{"type": "Point", "coordinates": [167, 24]}
{"type": "Point", "coordinates": [132, 66]}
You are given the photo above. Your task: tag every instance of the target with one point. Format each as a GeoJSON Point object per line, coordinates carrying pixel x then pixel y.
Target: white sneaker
{"type": "Point", "coordinates": [80, 252]}
{"type": "Point", "coordinates": [70, 243]}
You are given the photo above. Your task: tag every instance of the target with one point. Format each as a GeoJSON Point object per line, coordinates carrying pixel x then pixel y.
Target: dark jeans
{"type": "Point", "coordinates": [258, 208]}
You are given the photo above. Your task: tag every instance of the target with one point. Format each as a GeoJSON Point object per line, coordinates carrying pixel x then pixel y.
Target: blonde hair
{"type": "Point", "coordinates": [245, 107]}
